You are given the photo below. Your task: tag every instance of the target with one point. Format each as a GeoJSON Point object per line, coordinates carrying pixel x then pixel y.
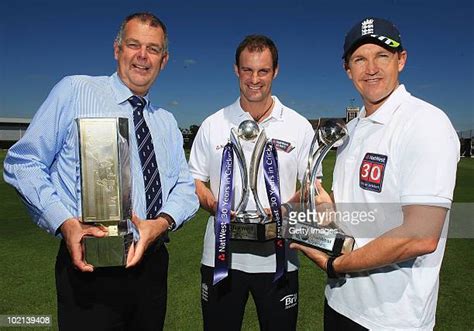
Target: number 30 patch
{"type": "Point", "coordinates": [371, 172]}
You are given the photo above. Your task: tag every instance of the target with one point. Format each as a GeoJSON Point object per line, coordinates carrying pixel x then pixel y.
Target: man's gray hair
{"type": "Point", "coordinates": [144, 17]}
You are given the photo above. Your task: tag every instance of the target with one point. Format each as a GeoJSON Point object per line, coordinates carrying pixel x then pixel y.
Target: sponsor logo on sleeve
{"type": "Point", "coordinates": [372, 171]}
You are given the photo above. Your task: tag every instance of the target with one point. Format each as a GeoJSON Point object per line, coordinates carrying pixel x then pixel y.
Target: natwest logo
{"type": "Point", "coordinates": [290, 300]}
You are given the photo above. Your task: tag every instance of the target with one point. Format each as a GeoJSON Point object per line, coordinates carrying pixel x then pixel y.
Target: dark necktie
{"type": "Point", "coordinates": [151, 175]}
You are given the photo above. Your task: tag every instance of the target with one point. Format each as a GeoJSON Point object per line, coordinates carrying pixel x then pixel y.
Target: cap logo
{"type": "Point", "coordinates": [387, 41]}
{"type": "Point", "coordinates": [367, 26]}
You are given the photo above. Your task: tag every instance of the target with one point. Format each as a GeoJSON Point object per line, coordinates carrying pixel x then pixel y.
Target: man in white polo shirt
{"type": "Point", "coordinates": [400, 164]}
{"type": "Point", "coordinates": [252, 264]}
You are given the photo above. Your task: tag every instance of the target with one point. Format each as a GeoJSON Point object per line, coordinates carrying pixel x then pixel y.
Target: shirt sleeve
{"type": "Point", "coordinates": [28, 163]}
{"type": "Point", "coordinates": [182, 202]}
{"type": "Point", "coordinates": [428, 162]}
{"type": "Point", "coordinates": [199, 157]}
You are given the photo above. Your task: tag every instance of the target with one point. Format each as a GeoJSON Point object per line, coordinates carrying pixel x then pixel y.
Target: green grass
{"type": "Point", "coordinates": [27, 256]}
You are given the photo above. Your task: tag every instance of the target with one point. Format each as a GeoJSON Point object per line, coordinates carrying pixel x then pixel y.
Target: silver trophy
{"type": "Point", "coordinates": [320, 231]}
{"type": "Point", "coordinates": [253, 225]}
{"type": "Point", "coordinates": [105, 188]}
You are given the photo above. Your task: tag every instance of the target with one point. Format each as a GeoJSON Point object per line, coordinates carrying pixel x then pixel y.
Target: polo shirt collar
{"type": "Point", "coordinates": [240, 115]}
{"type": "Point", "coordinates": [121, 91]}
{"type": "Point", "coordinates": [385, 112]}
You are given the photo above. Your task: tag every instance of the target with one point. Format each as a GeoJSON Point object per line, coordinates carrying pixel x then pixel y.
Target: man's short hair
{"type": "Point", "coordinates": [257, 43]}
{"type": "Point", "coordinates": [144, 17]}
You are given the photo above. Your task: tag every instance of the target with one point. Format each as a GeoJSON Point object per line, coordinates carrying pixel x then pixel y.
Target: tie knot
{"type": "Point", "coordinates": [137, 101]}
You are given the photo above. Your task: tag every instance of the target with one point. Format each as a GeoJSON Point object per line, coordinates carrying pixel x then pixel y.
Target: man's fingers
{"type": "Point", "coordinates": [131, 253]}
{"type": "Point", "coordinates": [304, 249]}
{"type": "Point", "coordinates": [84, 267]}
{"type": "Point", "coordinates": [135, 219]}
{"type": "Point", "coordinates": [95, 231]}
{"type": "Point", "coordinates": [75, 250]}
{"type": "Point", "coordinates": [268, 211]}
{"type": "Point", "coordinates": [309, 252]}
{"type": "Point", "coordinates": [138, 252]}
{"type": "Point", "coordinates": [297, 246]}
{"type": "Point", "coordinates": [319, 187]}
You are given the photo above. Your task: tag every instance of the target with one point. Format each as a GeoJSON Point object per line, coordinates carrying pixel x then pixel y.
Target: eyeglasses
{"type": "Point", "coordinates": [151, 49]}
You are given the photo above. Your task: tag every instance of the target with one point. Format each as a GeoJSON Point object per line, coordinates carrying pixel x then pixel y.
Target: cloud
{"type": "Point", "coordinates": [189, 62]}
{"type": "Point", "coordinates": [173, 103]}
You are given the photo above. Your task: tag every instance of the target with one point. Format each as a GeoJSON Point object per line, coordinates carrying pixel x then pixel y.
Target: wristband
{"type": "Point", "coordinates": [330, 268]}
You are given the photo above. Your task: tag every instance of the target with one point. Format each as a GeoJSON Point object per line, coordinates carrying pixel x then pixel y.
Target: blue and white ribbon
{"type": "Point", "coordinates": [272, 184]}
{"type": "Point", "coordinates": [223, 213]}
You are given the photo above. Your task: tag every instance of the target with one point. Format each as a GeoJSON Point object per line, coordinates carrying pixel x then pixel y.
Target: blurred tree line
{"type": "Point", "coordinates": [188, 135]}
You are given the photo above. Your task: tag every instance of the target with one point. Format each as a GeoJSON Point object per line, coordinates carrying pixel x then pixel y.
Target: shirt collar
{"type": "Point", "coordinates": [240, 115]}
{"type": "Point", "coordinates": [121, 91]}
{"type": "Point", "coordinates": [386, 111]}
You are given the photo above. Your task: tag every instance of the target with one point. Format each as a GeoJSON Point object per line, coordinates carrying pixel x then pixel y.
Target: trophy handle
{"type": "Point", "coordinates": [254, 167]}
{"type": "Point", "coordinates": [312, 155]}
{"type": "Point", "coordinates": [237, 147]}
{"type": "Point", "coordinates": [313, 176]}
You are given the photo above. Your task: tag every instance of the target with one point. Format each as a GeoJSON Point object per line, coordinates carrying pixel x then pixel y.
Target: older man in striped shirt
{"type": "Point", "coordinates": [44, 168]}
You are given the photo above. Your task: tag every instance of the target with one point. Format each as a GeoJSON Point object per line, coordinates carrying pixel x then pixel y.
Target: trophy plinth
{"type": "Point", "coordinates": [110, 251]}
{"type": "Point", "coordinates": [252, 226]}
{"type": "Point", "coordinates": [330, 240]}
{"type": "Point", "coordinates": [105, 188]}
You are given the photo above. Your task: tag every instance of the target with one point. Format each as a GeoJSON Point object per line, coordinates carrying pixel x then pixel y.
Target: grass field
{"type": "Point", "coordinates": [27, 256]}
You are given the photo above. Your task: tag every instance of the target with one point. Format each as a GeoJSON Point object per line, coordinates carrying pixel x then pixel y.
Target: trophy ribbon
{"type": "Point", "coordinates": [272, 184]}
{"type": "Point", "coordinates": [222, 218]}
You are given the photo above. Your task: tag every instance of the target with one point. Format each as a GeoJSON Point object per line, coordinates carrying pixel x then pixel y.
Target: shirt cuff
{"type": "Point", "coordinates": [426, 200]}
{"type": "Point", "coordinates": [176, 215]}
{"type": "Point", "coordinates": [54, 216]}
{"type": "Point", "coordinates": [202, 178]}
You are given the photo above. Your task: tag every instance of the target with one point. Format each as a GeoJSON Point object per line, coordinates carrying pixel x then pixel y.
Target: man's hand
{"type": "Point", "coordinates": [73, 230]}
{"type": "Point", "coordinates": [318, 257]}
{"type": "Point", "coordinates": [322, 197]}
{"type": "Point", "coordinates": [149, 231]}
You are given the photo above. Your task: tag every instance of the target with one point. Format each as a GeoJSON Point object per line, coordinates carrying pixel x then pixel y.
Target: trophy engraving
{"type": "Point", "coordinates": [321, 232]}
{"type": "Point", "coordinates": [105, 188]}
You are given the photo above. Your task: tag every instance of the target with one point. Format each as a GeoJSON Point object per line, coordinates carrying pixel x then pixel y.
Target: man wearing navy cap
{"type": "Point", "coordinates": [398, 165]}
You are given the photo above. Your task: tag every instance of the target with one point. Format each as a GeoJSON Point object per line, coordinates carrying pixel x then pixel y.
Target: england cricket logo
{"type": "Point", "coordinates": [367, 26]}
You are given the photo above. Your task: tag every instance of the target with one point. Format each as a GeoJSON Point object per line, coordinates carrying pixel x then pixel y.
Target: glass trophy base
{"type": "Point", "coordinates": [110, 251]}
{"type": "Point", "coordinates": [251, 226]}
{"type": "Point", "coordinates": [332, 241]}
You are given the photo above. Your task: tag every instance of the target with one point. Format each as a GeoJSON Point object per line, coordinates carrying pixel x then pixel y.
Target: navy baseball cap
{"type": "Point", "coordinates": [375, 31]}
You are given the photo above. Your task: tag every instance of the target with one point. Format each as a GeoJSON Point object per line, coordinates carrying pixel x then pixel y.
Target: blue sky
{"type": "Point", "coordinates": [45, 40]}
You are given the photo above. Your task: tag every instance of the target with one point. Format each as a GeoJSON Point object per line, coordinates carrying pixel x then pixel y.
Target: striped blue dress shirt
{"type": "Point", "coordinates": [43, 166]}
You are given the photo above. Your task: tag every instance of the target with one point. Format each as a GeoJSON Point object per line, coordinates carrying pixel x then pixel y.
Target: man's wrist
{"type": "Point", "coordinates": [330, 271]}
{"type": "Point", "coordinates": [169, 219]}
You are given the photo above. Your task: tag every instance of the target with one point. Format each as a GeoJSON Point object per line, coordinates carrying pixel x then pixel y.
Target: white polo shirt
{"type": "Point", "coordinates": [294, 133]}
{"type": "Point", "coordinates": [405, 153]}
